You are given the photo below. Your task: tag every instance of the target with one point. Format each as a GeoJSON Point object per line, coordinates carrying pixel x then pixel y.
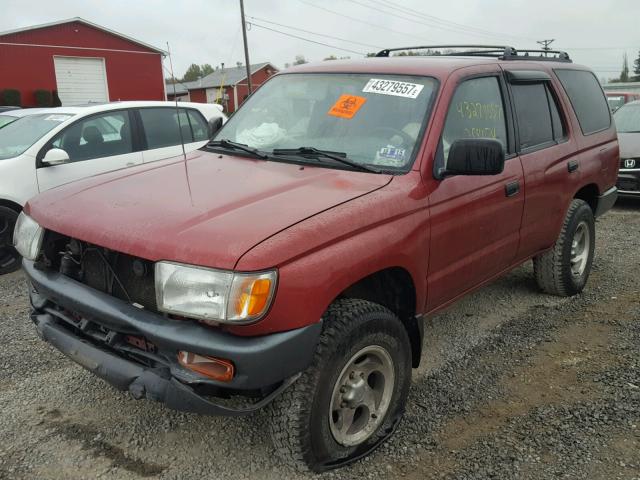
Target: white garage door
{"type": "Point", "coordinates": [81, 80]}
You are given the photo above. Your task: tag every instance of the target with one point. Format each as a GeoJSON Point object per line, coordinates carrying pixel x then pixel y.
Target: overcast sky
{"type": "Point", "coordinates": [595, 32]}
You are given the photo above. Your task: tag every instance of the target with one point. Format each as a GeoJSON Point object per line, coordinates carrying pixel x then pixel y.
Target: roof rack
{"type": "Point", "coordinates": [501, 52]}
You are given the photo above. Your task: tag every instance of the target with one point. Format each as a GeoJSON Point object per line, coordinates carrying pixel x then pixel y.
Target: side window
{"type": "Point", "coordinates": [161, 127]}
{"type": "Point", "coordinates": [533, 114]}
{"type": "Point", "coordinates": [198, 126]}
{"type": "Point", "coordinates": [559, 130]}
{"type": "Point", "coordinates": [587, 99]}
{"type": "Point", "coordinates": [476, 111]}
{"type": "Point", "coordinates": [98, 136]}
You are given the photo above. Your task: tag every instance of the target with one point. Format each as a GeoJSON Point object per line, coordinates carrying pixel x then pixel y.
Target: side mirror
{"type": "Point", "coordinates": [215, 124]}
{"type": "Point", "coordinates": [55, 156]}
{"type": "Point", "coordinates": [475, 157]}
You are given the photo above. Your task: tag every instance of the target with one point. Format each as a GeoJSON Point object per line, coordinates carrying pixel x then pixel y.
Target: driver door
{"type": "Point", "coordinates": [95, 144]}
{"type": "Point", "coordinates": [475, 220]}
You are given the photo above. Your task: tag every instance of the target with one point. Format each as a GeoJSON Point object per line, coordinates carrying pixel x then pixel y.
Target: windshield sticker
{"type": "Point", "coordinates": [57, 118]}
{"type": "Point", "coordinates": [347, 106]}
{"type": "Point", "coordinates": [390, 156]}
{"type": "Point", "coordinates": [393, 87]}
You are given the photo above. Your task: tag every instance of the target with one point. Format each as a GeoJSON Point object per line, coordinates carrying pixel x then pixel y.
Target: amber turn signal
{"type": "Point", "coordinates": [215, 368]}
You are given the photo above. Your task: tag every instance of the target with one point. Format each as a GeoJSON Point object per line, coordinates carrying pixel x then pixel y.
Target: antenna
{"type": "Point", "coordinates": [175, 98]}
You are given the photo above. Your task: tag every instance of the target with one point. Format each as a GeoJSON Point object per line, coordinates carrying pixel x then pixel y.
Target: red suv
{"type": "Point", "coordinates": [291, 261]}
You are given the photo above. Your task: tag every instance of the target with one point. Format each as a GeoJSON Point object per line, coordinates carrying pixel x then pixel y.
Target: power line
{"type": "Point", "coordinates": [355, 19]}
{"type": "Point", "coordinates": [315, 33]}
{"type": "Point", "coordinates": [306, 39]}
{"type": "Point", "coordinates": [430, 25]}
{"type": "Point", "coordinates": [445, 22]}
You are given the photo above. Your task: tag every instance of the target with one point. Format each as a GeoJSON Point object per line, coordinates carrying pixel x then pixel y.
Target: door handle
{"type": "Point", "coordinates": [572, 166]}
{"type": "Point", "coordinates": [130, 164]}
{"type": "Point", "coordinates": [511, 189]}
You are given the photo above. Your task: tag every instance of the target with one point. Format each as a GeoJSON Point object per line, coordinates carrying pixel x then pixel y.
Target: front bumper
{"type": "Point", "coordinates": [89, 327]}
{"type": "Point", "coordinates": [629, 182]}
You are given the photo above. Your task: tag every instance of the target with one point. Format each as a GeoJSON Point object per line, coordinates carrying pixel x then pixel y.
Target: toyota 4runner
{"type": "Point", "coordinates": [290, 262]}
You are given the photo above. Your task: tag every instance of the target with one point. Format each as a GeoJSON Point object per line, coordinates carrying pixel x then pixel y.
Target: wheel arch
{"type": "Point", "coordinates": [589, 193]}
{"type": "Point", "coordinates": [9, 204]}
{"type": "Point", "coordinates": [393, 288]}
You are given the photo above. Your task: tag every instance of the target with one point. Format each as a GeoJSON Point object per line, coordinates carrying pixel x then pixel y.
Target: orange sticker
{"type": "Point", "coordinates": [347, 106]}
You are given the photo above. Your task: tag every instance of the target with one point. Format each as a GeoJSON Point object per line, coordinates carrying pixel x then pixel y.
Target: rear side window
{"type": "Point", "coordinates": [163, 128]}
{"type": "Point", "coordinates": [587, 99]}
{"type": "Point", "coordinates": [198, 126]}
{"type": "Point", "coordinates": [539, 120]}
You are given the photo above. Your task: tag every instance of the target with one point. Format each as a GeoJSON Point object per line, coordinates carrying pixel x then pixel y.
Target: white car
{"type": "Point", "coordinates": [45, 148]}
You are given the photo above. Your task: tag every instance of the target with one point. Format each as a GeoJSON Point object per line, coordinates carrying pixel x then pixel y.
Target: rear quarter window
{"type": "Point", "coordinates": [587, 98]}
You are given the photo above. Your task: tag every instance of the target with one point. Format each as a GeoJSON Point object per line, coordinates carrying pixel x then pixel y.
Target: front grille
{"type": "Point", "coordinates": [628, 184]}
{"type": "Point", "coordinates": [123, 276]}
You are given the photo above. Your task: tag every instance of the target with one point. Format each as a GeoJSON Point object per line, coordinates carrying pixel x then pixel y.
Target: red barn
{"type": "Point", "coordinates": [81, 61]}
{"type": "Point", "coordinates": [227, 86]}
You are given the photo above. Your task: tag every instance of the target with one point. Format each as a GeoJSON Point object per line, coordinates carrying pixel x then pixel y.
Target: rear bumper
{"type": "Point", "coordinates": [629, 182]}
{"type": "Point", "coordinates": [90, 327]}
{"type": "Point", "coordinates": [606, 201]}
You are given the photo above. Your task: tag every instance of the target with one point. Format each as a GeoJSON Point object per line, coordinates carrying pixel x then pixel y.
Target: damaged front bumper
{"type": "Point", "coordinates": [90, 327]}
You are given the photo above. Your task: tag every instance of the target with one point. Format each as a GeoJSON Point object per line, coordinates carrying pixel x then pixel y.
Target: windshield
{"type": "Point", "coordinates": [16, 137]}
{"type": "Point", "coordinates": [373, 119]}
{"type": "Point", "coordinates": [628, 118]}
{"type": "Point", "coordinates": [615, 102]}
{"type": "Point", "coordinates": [6, 120]}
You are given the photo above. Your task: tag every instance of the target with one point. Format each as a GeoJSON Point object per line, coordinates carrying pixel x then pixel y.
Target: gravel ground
{"type": "Point", "coordinates": [515, 384]}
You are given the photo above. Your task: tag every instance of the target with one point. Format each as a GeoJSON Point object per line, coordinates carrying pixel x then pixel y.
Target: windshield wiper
{"type": "Point", "coordinates": [229, 145]}
{"type": "Point", "coordinates": [339, 157]}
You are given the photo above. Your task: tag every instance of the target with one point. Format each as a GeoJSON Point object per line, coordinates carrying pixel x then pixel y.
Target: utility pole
{"type": "Point", "coordinates": [246, 48]}
{"type": "Point", "coordinates": [545, 44]}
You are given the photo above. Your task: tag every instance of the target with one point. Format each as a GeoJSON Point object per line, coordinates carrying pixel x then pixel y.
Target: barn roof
{"type": "Point", "coordinates": [88, 23]}
{"type": "Point", "coordinates": [225, 77]}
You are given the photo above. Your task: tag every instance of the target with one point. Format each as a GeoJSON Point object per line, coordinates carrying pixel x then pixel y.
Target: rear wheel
{"type": "Point", "coordinates": [9, 257]}
{"type": "Point", "coordinates": [565, 268]}
{"type": "Point", "coordinates": [352, 396]}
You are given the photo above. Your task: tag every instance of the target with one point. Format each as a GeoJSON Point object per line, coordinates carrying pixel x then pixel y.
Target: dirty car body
{"type": "Point", "coordinates": [223, 273]}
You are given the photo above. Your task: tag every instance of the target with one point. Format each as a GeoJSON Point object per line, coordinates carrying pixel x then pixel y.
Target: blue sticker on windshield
{"type": "Point", "coordinates": [391, 156]}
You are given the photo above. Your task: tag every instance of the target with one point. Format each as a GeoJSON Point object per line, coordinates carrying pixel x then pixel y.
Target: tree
{"type": "Point", "coordinates": [636, 68]}
{"type": "Point", "coordinates": [206, 69]}
{"type": "Point", "coordinates": [624, 76]}
{"type": "Point", "coordinates": [300, 60]}
{"type": "Point", "coordinates": [194, 72]}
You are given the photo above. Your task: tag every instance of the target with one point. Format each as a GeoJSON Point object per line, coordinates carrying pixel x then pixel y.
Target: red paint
{"type": "Point", "coordinates": [134, 72]}
{"type": "Point", "coordinates": [199, 95]}
{"type": "Point", "coordinates": [324, 230]}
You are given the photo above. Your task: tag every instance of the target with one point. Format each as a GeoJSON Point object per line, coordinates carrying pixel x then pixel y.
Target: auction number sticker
{"type": "Point", "coordinates": [393, 87]}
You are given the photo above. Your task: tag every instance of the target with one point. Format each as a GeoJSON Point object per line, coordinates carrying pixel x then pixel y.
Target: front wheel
{"type": "Point", "coordinates": [9, 257]}
{"type": "Point", "coordinates": [565, 268]}
{"type": "Point", "coordinates": [354, 393]}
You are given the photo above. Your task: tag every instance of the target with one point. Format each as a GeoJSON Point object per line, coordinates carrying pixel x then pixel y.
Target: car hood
{"type": "Point", "coordinates": [206, 210]}
{"type": "Point", "coordinates": [629, 145]}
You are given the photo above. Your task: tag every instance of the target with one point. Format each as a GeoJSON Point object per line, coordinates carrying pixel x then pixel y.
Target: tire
{"type": "Point", "coordinates": [564, 269]}
{"type": "Point", "coordinates": [10, 260]}
{"type": "Point", "coordinates": [307, 432]}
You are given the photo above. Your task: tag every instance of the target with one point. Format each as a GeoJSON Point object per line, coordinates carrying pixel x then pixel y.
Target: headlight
{"type": "Point", "coordinates": [213, 295]}
{"type": "Point", "coordinates": [27, 236]}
